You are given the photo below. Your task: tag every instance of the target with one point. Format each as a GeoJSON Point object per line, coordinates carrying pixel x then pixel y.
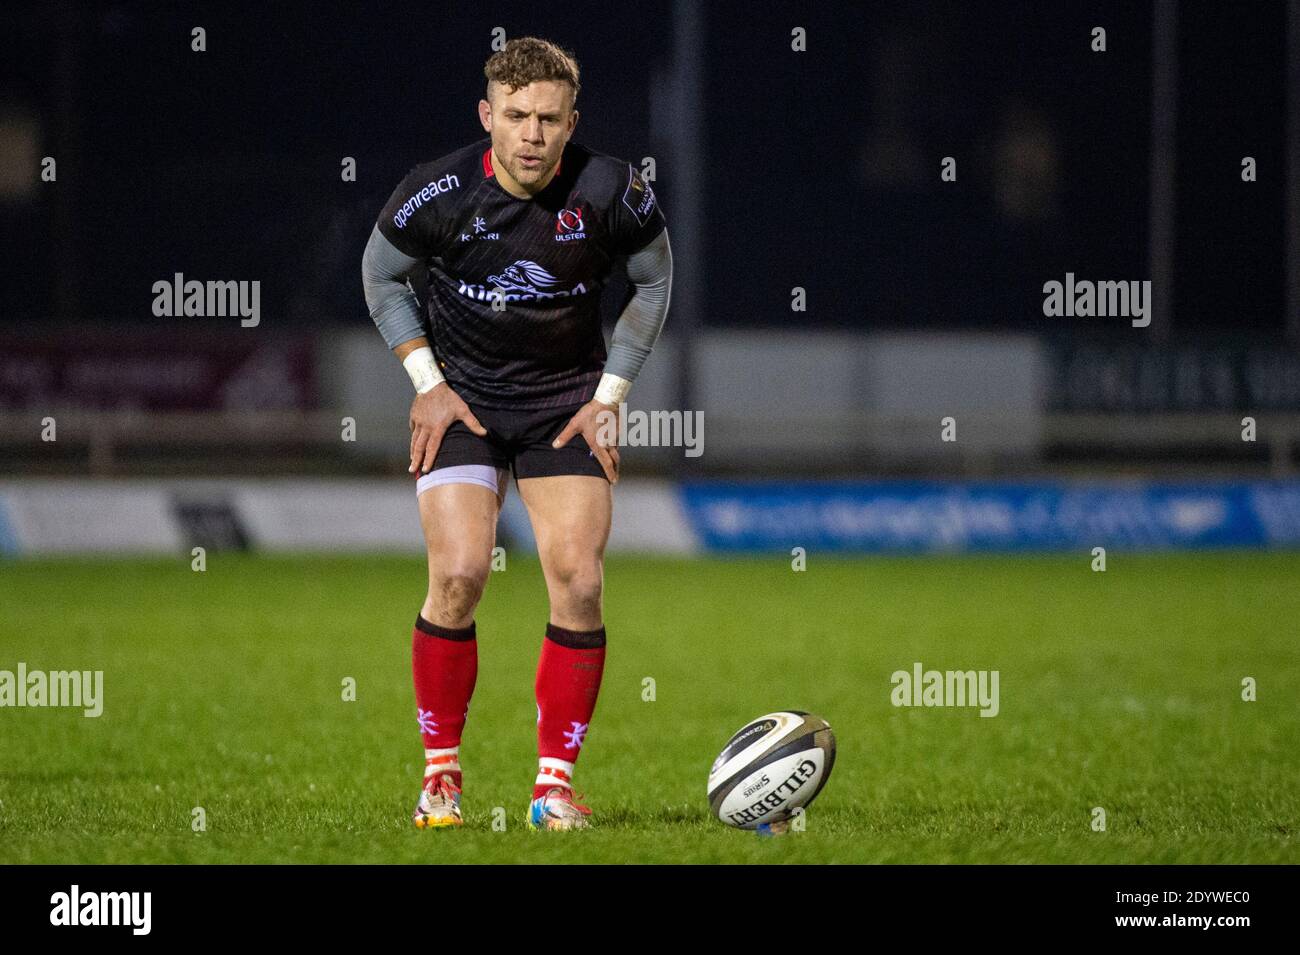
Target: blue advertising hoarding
{"type": "Point", "coordinates": [961, 516]}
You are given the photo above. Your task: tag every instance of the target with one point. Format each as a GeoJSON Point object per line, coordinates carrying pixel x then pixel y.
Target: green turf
{"type": "Point", "coordinates": [1119, 689]}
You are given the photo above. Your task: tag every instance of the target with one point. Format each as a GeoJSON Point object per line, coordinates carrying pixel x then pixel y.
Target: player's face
{"type": "Point", "coordinates": [529, 128]}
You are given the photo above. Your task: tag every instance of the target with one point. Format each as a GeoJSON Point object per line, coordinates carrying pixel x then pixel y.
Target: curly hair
{"type": "Point", "coordinates": [528, 59]}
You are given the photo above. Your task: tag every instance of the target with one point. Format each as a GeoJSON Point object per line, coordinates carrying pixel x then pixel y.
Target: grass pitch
{"type": "Point", "coordinates": [223, 690]}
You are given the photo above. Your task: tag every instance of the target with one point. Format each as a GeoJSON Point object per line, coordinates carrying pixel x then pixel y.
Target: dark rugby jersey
{"type": "Point", "coordinates": [550, 255]}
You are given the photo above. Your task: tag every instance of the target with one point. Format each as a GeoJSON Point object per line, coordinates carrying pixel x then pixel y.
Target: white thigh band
{"type": "Point", "coordinates": [484, 475]}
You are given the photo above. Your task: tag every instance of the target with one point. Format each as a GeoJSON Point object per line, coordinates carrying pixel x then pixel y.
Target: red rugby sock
{"type": "Point", "coordinates": [444, 661]}
{"type": "Point", "coordinates": [568, 682]}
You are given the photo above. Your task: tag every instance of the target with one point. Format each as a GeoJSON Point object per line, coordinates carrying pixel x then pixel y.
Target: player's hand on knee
{"type": "Point", "coordinates": [598, 425]}
{"type": "Point", "coordinates": [432, 413]}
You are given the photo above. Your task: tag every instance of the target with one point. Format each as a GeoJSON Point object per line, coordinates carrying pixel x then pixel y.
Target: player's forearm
{"type": "Point", "coordinates": [396, 312]}
{"type": "Point", "coordinates": [650, 271]}
{"type": "Point", "coordinates": [393, 306]}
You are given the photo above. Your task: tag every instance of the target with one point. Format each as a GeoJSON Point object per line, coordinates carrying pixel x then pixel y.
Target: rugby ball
{"type": "Point", "coordinates": [771, 766]}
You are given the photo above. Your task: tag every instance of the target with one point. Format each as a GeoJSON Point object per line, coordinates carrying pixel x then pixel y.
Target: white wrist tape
{"type": "Point", "coordinates": [424, 373]}
{"type": "Point", "coordinates": [612, 389]}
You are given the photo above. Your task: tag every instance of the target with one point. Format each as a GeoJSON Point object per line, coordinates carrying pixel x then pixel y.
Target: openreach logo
{"type": "Point", "coordinates": [946, 688]}
{"type": "Point", "coordinates": [180, 298]}
{"type": "Point", "coordinates": [652, 429]}
{"type": "Point", "coordinates": [435, 188]}
{"type": "Point", "coordinates": [75, 688]}
{"type": "Point", "coordinates": [103, 908]}
{"type": "Point", "coordinates": [1085, 299]}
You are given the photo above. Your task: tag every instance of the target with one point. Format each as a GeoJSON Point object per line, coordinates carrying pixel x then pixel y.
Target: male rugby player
{"type": "Point", "coordinates": [518, 233]}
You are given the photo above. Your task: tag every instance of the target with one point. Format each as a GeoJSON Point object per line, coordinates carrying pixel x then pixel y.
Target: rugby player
{"type": "Point", "coordinates": [518, 233]}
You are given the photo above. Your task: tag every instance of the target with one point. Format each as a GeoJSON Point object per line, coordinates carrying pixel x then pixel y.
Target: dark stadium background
{"type": "Point", "coordinates": [817, 170]}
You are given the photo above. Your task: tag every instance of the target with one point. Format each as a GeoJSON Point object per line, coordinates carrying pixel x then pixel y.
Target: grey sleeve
{"type": "Point", "coordinates": [393, 306]}
{"type": "Point", "coordinates": [651, 273]}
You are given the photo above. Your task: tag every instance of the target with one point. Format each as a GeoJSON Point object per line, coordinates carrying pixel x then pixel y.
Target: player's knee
{"type": "Point", "coordinates": [456, 591]}
{"type": "Point", "coordinates": [580, 585]}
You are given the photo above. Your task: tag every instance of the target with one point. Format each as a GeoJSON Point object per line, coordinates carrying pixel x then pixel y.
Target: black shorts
{"type": "Point", "coordinates": [517, 441]}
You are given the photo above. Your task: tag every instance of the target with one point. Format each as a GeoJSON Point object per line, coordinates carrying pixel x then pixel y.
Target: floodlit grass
{"type": "Point", "coordinates": [223, 690]}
